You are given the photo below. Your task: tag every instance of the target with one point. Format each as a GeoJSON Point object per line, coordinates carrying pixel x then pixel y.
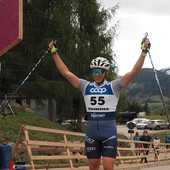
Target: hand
{"type": "Point", "coordinates": [52, 47]}
{"type": "Point", "coordinates": [145, 45]}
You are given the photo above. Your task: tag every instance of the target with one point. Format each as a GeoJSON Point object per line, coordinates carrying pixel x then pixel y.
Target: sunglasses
{"type": "Point", "coordinates": [97, 71]}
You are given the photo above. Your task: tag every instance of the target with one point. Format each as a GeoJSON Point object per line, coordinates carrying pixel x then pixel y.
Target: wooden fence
{"type": "Point", "coordinates": [69, 153]}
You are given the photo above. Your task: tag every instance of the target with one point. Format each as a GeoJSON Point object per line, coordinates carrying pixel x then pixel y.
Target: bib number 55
{"type": "Point", "coordinates": [97, 100]}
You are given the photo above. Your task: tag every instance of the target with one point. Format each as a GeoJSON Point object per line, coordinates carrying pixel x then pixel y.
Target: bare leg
{"type": "Point", "coordinates": [108, 163]}
{"type": "Point", "coordinates": [94, 164]}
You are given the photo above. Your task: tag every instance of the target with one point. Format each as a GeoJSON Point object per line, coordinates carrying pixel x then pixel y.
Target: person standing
{"type": "Point", "coordinates": [137, 143]}
{"type": "Point", "coordinates": [167, 141]}
{"type": "Point", "coordinates": [146, 138]}
{"type": "Point", "coordinates": [156, 146]}
{"type": "Point", "coordinates": [101, 98]}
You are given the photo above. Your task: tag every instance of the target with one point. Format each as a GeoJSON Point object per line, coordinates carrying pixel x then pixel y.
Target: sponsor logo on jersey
{"type": "Point", "coordinates": [110, 138]}
{"type": "Point", "coordinates": [94, 115]}
{"type": "Point", "coordinates": [108, 147]}
{"type": "Point", "coordinates": [98, 90]}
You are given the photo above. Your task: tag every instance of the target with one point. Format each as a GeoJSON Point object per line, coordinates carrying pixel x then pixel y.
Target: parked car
{"type": "Point", "coordinates": [143, 124]}
{"type": "Point", "coordinates": [157, 124]}
{"type": "Point", "coordinates": [137, 120]}
{"type": "Point", "coordinates": [67, 122]}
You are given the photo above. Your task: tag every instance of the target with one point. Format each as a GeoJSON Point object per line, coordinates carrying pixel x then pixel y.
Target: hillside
{"type": "Point", "coordinates": [144, 88]}
{"type": "Point", "coordinates": [145, 85]}
{"type": "Point", "coordinates": [10, 125]}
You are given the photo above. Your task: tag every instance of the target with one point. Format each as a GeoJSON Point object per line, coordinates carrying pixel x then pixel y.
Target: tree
{"type": "Point", "coordinates": [135, 107]}
{"type": "Point", "coordinates": [122, 103]}
{"type": "Point", "coordinates": [82, 33]}
{"type": "Point", "coordinates": [146, 108]}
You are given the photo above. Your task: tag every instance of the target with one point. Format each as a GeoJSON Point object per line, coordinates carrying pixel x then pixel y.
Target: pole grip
{"type": "Point", "coordinates": [145, 36]}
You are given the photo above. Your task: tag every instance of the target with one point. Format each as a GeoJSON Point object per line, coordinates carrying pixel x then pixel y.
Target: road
{"type": "Point", "coordinates": [166, 167]}
{"type": "Point", "coordinates": [123, 129]}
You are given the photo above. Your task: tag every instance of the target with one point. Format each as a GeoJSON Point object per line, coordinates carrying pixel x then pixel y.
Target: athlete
{"type": "Point", "coordinates": [101, 98]}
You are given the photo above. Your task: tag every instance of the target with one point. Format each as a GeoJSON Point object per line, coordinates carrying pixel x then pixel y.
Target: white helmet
{"type": "Point", "coordinates": [100, 62]}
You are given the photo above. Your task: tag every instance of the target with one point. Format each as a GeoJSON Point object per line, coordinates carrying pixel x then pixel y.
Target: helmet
{"type": "Point", "coordinates": [100, 62]}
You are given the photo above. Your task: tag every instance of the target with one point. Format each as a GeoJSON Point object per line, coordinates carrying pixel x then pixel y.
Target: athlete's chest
{"type": "Point", "coordinates": [105, 89]}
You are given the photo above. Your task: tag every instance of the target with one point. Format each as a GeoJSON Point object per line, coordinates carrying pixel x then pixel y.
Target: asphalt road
{"type": "Point", "coordinates": [167, 167]}
{"type": "Point", "coordinates": [123, 129]}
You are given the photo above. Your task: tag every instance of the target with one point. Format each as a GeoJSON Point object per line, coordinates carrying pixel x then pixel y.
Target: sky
{"type": "Point", "coordinates": [136, 17]}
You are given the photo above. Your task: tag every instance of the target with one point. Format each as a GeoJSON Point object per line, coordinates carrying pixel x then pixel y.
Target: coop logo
{"type": "Point", "coordinates": [98, 90]}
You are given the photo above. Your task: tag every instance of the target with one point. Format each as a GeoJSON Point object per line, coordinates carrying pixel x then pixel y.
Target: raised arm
{"type": "Point", "coordinates": [62, 68]}
{"type": "Point", "coordinates": [128, 77]}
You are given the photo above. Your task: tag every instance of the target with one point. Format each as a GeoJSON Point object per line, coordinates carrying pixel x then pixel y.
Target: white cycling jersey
{"type": "Point", "coordinates": [100, 101]}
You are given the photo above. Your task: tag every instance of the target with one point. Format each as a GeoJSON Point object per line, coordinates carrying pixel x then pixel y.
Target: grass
{"type": "Point", "coordinates": [10, 126]}
{"type": "Point", "coordinates": [155, 104]}
{"type": "Point", "coordinates": [156, 117]}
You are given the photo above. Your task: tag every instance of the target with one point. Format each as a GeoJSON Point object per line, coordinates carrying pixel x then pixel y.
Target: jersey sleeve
{"type": "Point", "coordinates": [116, 87]}
{"type": "Point", "coordinates": [82, 85]}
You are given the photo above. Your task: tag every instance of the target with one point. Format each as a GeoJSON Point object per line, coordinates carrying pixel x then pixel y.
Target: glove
{"type": "Point", "coordinates": [52, 47]}
{"type": "Point", "coordinates": [145, 46]}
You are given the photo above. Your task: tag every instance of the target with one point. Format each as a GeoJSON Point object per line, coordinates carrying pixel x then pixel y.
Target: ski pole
{"type": "Point", "coordinates": [6, 102]}
{"type": "Point", "coordinates": [157, 80]}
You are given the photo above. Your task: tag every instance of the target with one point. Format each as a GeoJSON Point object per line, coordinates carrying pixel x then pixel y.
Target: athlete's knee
{"type": "Point", "coordinates": [108, 163]}
{"type": "Point", "coordinates": [94, 164]}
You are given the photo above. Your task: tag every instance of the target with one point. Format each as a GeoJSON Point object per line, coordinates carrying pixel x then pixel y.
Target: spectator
{"type": "Point", "coordinates": [137, 143]}
{"type": "Point", "coordinates": [167, 141]}
{"type": "Point", "coordinates": [146, 138]}
{"type": "Point", "coordinates": [156, 146]}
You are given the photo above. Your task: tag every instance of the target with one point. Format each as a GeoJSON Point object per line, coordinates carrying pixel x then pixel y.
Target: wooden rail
{"type": "Point", "coordinates": [70, 154]}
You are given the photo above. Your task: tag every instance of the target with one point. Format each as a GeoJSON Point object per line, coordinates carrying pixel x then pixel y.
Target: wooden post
{"type": "Point", "coordinates": [68, 152]}
{"type": "Point", "coordinates": [29, 148]}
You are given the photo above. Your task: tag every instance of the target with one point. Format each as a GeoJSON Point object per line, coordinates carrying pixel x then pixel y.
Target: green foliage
{"type": "Point", "coordinates": [146, 108]}
{"type": "Point", "coordinates": [156, 117]}
{"type": "Point", "coordinates": [82, 33]}
{"type": "Point", "coordinates": [122, 103]}
{"type": "Point", "coordinates": [135, 106]}
{"type": "Point", "coordinates": [10, 125]}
